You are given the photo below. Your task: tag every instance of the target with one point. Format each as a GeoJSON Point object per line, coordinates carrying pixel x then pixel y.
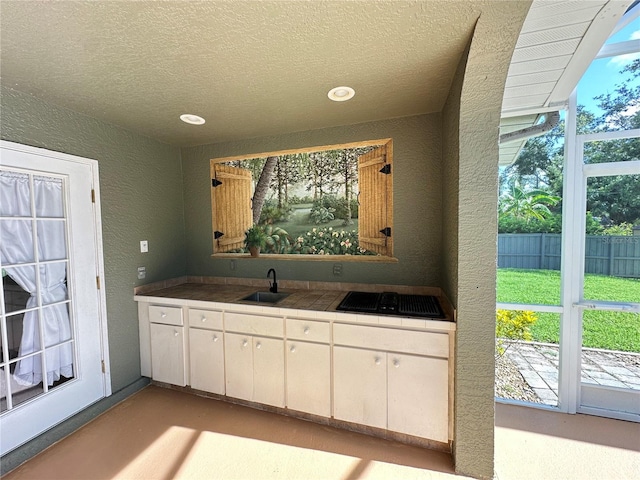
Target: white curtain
{"type": "Point", "coordinates": [17, 247]}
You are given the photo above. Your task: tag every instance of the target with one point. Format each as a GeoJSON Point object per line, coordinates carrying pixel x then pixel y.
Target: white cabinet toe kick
{"type": "Point", "coordinates": [348, 370]}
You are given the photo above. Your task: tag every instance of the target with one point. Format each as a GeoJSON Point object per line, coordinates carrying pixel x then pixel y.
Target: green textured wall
{"type": "Point", "coordinates": [417, 204]}
{"type": "Point", "coordinates": [471, 191]}
{"type": "Point", "coordinates": [141, 199]}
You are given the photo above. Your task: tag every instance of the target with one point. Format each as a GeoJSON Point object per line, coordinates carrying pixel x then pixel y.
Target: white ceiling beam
{"type": "Point", "coordinates": [620, 48]}
{"type": "Point", "coordinates": [519, 112]}
{"type": "Point", "coordinates": [591, 43]}
{"type": "Point", "coordinates": [628, 17]}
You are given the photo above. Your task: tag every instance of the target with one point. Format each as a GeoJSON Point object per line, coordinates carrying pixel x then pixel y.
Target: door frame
{"type": "Point", "coordinates": [97, 250]}
{"type": "Point", "coordinates": [576, 173]}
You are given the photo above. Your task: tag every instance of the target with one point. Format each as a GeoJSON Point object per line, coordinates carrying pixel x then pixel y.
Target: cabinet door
{"type": "Point", "coordinates": [268, 371]}
{"type": "Point", "coordinates": [309, 378]}
{"type": "Point", "coordinates": [206, 354]}
{"type": "Point", "coordinates": [238, 360]}
{"type": "Point", "coordinates": [360, 386]}
{"type": "Point", "coordinates": [167, 354]}
{"type": "Point", "coordinates": [418, 396]}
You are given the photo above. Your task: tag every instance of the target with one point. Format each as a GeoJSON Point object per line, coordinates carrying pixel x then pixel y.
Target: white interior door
{"type": "Point", "coordinates": [608, 308]}
{"type": "Point", "coordinates": [54, 350]}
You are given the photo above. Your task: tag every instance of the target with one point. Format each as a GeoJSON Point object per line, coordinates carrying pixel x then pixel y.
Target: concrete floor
{"type": "Point", "coordinates": [161, 434]}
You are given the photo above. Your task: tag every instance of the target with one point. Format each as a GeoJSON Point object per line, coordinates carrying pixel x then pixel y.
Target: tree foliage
{"type": "Point", "coordinates": [526, 204]}
{"type": "Point", "coordinates": [611, 200]}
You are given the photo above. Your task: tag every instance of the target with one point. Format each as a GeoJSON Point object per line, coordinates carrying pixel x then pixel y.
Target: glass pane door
{"type": "Point", "coordinates": [610, 353]}
{"type": "Point", "coordinates": [50, 321]}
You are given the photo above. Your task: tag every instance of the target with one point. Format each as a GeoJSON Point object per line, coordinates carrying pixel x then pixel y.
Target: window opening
{"type": "Point", "coordinates": [317, 201]}
{"type": "Point", "coordinates": [529, 248]}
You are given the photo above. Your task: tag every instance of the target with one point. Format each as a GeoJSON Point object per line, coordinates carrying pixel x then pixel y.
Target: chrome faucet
{"type": "Point", "coordinates": [273, 287]}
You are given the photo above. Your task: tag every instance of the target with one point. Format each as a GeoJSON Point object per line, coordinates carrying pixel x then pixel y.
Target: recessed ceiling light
{"type": "Point", "coordinates": [341, 94]}
{"type": "Point", "coordinates": [192, 119]}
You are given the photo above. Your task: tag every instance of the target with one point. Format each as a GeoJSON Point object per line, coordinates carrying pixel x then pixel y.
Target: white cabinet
{"type": "Point", "coordinates": [405, 392]}
{"type": "Point", "coordinates": [360, 386]}
{"type": "Point", "coordinates": [393, 377]}
{"type": "Point", "coordinates": [206, 355]}
{"type": "Point", "coordinates": [309, 377]}
{"type": "Point", "coordinates": [206, 351]}
{"type": "Point", "coordinates": [268, 371]}
{"type": "Point", "coordinates": [238, 359]}
{"type": "Point", "coordinates": [418, 396]}
{"type": "Point", "coordinates": [254, 363]}
{"type": "Point", "coordinates": [309, 366]}
{"type": "Point", "coordinates": [168, 345]}
{"type": "Point", "coordinates": [255, 368]}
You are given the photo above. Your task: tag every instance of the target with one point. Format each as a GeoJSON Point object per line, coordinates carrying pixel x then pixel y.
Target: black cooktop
{"type": "Point", "coordinates": [391, 303]}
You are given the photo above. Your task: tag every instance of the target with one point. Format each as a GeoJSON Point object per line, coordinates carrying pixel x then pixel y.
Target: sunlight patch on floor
{"type": "Point", "coordinates": [188, 453]}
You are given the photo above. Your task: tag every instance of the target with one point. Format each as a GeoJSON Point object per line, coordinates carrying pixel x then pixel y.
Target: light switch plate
{"type": "Point", "coordinates": [142, 273]}
{"type": "Point", "coordinates": [144, 246]}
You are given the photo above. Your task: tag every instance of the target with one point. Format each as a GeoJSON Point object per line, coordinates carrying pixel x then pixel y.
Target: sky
{"type": "Point", "coordinates": [603, 75]}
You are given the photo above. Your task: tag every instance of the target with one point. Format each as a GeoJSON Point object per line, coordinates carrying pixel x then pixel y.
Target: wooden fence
{"type": "Point", "coordinates": [617, 256]}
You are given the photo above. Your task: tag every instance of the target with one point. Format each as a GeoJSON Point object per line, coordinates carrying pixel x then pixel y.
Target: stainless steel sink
{"type": "Point", "coordinates": [265, 297]}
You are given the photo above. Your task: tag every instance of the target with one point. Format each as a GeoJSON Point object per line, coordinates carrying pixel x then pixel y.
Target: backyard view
{"type": "Point", "coordinates": [606, 330]}
{"type": "Point", "coordinates": [529, 253]}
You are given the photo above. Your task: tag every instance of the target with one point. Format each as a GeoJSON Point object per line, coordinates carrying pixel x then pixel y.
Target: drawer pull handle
{"type": "Point", "coordinates": [396, 363]}
{"type": "Point", "coordinates": [204, 319]}
{"type": "Point", "coordinates": [292, 349]}
{"type": "Point", "coordinates": [215, 338]}
{"type": "Point", "coordinates": [377, 360]}
{"type": "Point", "coordinates": [245, 343]}
{"type": "Point", "coordinates": [306, 330]}
{"type": "Point", "coordinates": [258, 345]}
{"type": "Point", "coordinates": [163, 315]}
{"type": "Point", "coordinates": [175, 334]}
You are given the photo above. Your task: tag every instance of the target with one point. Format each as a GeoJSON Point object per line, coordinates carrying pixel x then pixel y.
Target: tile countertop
{"type": "Point", "coordinates": [316, 296]}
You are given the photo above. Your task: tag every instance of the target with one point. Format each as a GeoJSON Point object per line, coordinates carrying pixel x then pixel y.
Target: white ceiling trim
{"type": "Point", "coordinates": [620, 48]}
{"type": "Point", "coordinates": [558, 42]}
{"type": "Point", "coordinates": [594, 38]}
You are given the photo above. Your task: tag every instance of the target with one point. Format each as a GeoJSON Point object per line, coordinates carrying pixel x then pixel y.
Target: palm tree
{"type": "Point", "coordinates": [526, 204]}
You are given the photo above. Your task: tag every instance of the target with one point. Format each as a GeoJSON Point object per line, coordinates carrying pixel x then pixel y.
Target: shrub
{"type": "Point", "coordinates": [277, 240]}
{"type": "Point", "coordinates": [320, 215]}
{"type": "Point", "coordinates": [514, 325]}
{"type": "Point", "coordinates": [623, 229]}
{"type": "Point", "coordinates": [271, 213]}
{"type": "Point", "coordinates": [327, 241]}
{"type": "Point", "coordinates": [339, 206]}
{"type": "Point", "coordinates": [551, 224]}
{"type": "Point", "coordinates": [295, 200]}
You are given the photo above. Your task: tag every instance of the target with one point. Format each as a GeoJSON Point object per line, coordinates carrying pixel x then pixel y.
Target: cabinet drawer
{"type": "Point", "coordinates": [254, 324]}
{"type": "Point", "coordinates": [419, 343]}
{"type": "Point", "coordinates": [308, 330]}
{"type": "Point", "coordinates": [207, 319]}
{"type": "Point", "coordinates": [166, 315]}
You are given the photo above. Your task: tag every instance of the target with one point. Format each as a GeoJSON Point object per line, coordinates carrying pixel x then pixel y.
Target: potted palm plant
{"type": "Point", "coordinates": [255, 239]}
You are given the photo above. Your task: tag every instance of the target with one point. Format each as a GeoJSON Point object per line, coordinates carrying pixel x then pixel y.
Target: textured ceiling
{"type": "Point", "coordinates": [249, 68]}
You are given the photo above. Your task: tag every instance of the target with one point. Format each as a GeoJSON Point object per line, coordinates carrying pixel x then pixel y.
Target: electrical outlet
{"type": "Point", "coordinates": [142, 273]}
{"type": "Point", "coordinates": [144, 246]}
{"type": "Point", "coordinates": [337, 269]}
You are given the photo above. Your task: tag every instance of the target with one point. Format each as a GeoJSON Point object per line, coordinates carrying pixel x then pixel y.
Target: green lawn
{"type": "Point", "coordinates": [609, 330]}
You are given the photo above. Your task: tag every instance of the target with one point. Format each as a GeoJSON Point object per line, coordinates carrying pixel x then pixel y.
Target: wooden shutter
{"type": "Point", "coordinates": [230, 206]}
{"type": "Point", "coordinates": [375, 213]}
